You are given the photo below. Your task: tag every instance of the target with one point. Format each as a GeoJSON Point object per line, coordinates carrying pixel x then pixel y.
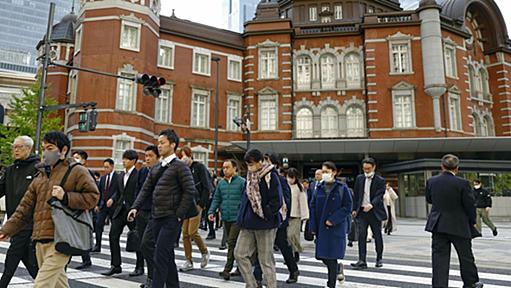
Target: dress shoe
{"type": "Point", "coordinates": [350, 244]}
{"type": "Point", "coordinates": [211, 237]}
{"type": "Point", "coordinates": [137, 272]}
{"type": "Point", "coordinates": [113, 270]}
{"type": "Point", "coordinates": [359, 265]}
{"type": "Point", "coordinates": [478, 285]}
{"type": "Point", "coordinates": [147, 284]}
{"type": "Point", "coordinates": [96, 249]}
{"type": "Point", "coordinates": [222, 247]}
{"type": "Point", "coordinates": [495, 233]}
{"type": "Point", "coordinates": [293, 277]}
{"type": "Point", "coordinates": [84, 266]}
{"type": "Point", "coordinates": [226, 275]}
{"type": "Point", "coordinates": [236, 273]}
{"type": "Point", "coordinates": [379, 263]}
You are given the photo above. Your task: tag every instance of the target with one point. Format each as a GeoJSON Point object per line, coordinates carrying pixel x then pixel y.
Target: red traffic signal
{"type": "Point", "coordinates": [151, 84]}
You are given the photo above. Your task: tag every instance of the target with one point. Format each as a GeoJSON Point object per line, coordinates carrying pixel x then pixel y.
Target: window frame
{"type": "Point", "coordinates": [166, 44]}
{"type": "Point", "coordinates": [334, 69]}
{"type": "Point", "coordinates": [401, 93]}
{"type": "Point", "coordinates": [453, 63]}
{"type": "Point", "coordinates": [313, 13]}
{"type": "Point", "coordinates": [134, 90]}
{"type": "Point", "coordinates": [78, 40]}
{"type": "Point", "coordinates": [338, 12]}
{"type": "Point", "coordinates": [203, 52]}
{"type": "Point", "coordinates": [264, 98]}
{"type": "Point", "coordinates": [125, 138]}
{"type": "Point", "coordinates": [348, 129]}
{"type": "Point", "coordinates": [170, 88]}
{"type": "Point", "coordinates": [299, 84]}
{"type": "Point", "coordinates": [230, 124]}
{"type": "Point", "coordinates": [200, 150]}
{"type": "Point", "coordinates": [323, 129]}
{"type": "Point", "coordinates": [275, 50]}
{"type": "Point", "coordinates": [357, 83]}
{"type": "Point", "coordinates": [299, 133]}
{"type": "Point", "coordinates": [393, 42]}
{"type": "Point", "coordinates": [138, 26]}
{"type": "Point", "coordinates": [207, 94]}
{"type": "Point", "coordinates": [459, 123]}
{"type": "Point", "coordinates": [240, 62]}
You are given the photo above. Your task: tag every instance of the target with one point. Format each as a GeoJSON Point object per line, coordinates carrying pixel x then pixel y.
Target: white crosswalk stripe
{"type": "Point", "coordinates": [395, 273]}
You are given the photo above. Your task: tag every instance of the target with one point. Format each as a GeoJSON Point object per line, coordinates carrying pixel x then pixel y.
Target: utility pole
{"type": "Point", "coordinates": [42, 92]}
{"type": "Point", "coordinates": [217, 60]}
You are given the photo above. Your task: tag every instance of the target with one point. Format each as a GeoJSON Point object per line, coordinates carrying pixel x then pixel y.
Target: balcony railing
{"type": "Point", "coordinates": [333, 28]}
{"type": "Point", "coordinates": [395, 18]}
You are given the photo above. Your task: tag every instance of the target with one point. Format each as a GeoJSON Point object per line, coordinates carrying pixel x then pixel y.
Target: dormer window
{"type": "Point", "coordinates": [325, 8]}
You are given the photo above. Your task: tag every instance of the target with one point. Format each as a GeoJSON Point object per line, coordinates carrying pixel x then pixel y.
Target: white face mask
{"type": "Point", "coordinates": [327, 177]}
{"type": "Point", "coordinates": [477, 186]}
{"type": "Point", "coordinates": [252, 168]}
{"type": "Point", "coordinates": [371, 174]}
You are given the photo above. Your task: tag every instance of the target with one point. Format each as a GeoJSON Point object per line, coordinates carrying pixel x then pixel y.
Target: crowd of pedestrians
{"type": "Point", "coordinates": [172, 196]}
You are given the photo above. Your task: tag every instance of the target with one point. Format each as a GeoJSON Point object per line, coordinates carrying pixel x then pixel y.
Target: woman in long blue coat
{"type": "Point", "coordinates": [330, 218]}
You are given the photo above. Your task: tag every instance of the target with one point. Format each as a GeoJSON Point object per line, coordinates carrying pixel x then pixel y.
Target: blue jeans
{"type": "Point", "coordinates": [165, 269]}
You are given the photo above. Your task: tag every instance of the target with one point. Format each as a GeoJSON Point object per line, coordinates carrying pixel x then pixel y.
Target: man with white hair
{"type": "Point", "coordinates": [13, 185]}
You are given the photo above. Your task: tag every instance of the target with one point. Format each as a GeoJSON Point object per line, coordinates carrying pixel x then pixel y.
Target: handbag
{"type": "Point", "coordinates": [133, 241]}
{"type": "Point", "coordinates": [73, 227]}
{"type": "Point", "coordinates": [307, 234]}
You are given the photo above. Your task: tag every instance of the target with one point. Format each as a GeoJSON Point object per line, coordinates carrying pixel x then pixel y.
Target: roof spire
{"type": "Point", "coordinates": [73, 7]}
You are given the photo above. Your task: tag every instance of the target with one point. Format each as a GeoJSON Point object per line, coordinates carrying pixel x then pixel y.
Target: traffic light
{"type": "Point", "coordinates": [87, 120]}
{"type": "Point", "coordinates": [83, 122]}
{"type": "Point", "coordinates": [151, 84]}
{"type": "Point", "coordinates": [93, 114]}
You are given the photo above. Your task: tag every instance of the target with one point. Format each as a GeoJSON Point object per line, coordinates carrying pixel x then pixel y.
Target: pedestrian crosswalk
{"type": "Point", "coordinates": [396, 272]}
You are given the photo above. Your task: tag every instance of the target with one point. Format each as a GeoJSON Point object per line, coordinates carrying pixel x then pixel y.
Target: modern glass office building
{"type": "Point", "coordinates": [240, 11]}
{"type": "Point", "coordinates": [22, 26]}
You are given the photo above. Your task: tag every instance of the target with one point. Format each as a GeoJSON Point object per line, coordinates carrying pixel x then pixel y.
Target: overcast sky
{"type": "Point", "coordinates": [214, 12]}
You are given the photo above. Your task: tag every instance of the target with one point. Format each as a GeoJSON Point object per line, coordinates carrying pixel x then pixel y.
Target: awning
{"type": "Point", "coordinates": [373, 146]}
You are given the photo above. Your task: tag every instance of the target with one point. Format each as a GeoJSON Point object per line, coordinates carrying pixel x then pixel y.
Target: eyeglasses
{"type": "Point", "coordinates": [18, 147]}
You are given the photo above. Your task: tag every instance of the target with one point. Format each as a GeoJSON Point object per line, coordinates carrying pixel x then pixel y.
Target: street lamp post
{"type": "Point", "coordinates": [42, 91]}
{"type": "Point", "coordinates": [217, 60]}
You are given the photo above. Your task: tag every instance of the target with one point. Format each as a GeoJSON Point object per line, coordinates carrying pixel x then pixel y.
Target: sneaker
{"type": "Point", "coordinates": [225, 274]}
{"type": "Point", "coordinates": [495, 232]}
{"type": "Point", "coordinates": [205, 260]}
{"type": "Point", "coordinates": [187, 266]}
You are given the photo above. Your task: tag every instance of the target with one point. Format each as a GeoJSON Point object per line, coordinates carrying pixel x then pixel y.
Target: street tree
{"type": "Point", "coordinates": [22, 115]}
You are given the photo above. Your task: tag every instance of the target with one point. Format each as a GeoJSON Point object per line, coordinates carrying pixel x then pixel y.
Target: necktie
{"type": "Point", "coordinates": [107, 183]}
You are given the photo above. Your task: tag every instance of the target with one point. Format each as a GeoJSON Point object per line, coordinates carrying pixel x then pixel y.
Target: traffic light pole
{"type": "Point", "coordinates": [93, 71]}
{"type": "Point", "coordinates": [42, 90]}
{"type": "Point", "coordinates": [217, 60]}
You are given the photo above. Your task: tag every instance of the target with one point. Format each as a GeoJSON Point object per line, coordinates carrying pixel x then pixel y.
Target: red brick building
{"type": "Point", "coordinates": [321, 80]}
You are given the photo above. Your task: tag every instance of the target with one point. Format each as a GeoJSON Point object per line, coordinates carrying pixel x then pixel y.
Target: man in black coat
{"type": "Point", "coordinates": [368, 209]}
{"type": "Point", "coordinates": [108, 186]}
{"type": "Point", "coordinates": [483, 207]}
{"type": "Point", "coordinates": [120, 203]}
{"type": "Point", "coordinates": [452, 220]}
{"type": "Point", "coordinates": [13, 185]}
{"type": "Point", "coordinates": [172, 189]}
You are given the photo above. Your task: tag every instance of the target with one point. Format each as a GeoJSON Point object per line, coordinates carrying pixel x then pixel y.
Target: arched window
{"type": "Point", "coordinates": [329, 122]}
{"type": "Point", "coordinates": [488, 125]}
{"type": "Point", "coordinates": [304, 123]}
{"type": "Point", "coordinates": [355, 121]}
{"type": "Point", "coordinates": [484, 127]}
{"type": "Point", "coordinates": [473, 81]}
{"type": "Point", "coordinates": [483, 80]}
{"type": "Point", "coordinates": [327, 71]}
{"type": "Point", "coordinates": [476, 124]}
{"type": "Point", "coordinates": [352, 67]}
{"type": "Point", "coordinates": [303, 72]}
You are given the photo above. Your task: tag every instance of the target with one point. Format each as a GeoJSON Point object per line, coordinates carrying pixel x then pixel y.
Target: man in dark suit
{"type": "Point", "coordinates": [313, 186]}
{"type": "Point", "coordinates": [108, 185]}
{"type": "Point", "coordinates": [368, 209]}
{"type": "Point", "coordinates": [120, 202]}
{"type": "Point", "coordinates": [452, 220]}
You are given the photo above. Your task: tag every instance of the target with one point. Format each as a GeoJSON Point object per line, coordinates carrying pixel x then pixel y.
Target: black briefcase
{"type": "Point", "coordinates": [133, 241]}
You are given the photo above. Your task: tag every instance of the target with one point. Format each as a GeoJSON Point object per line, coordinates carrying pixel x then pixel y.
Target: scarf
{"type": "Point", "coordinates": [253, 193]}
